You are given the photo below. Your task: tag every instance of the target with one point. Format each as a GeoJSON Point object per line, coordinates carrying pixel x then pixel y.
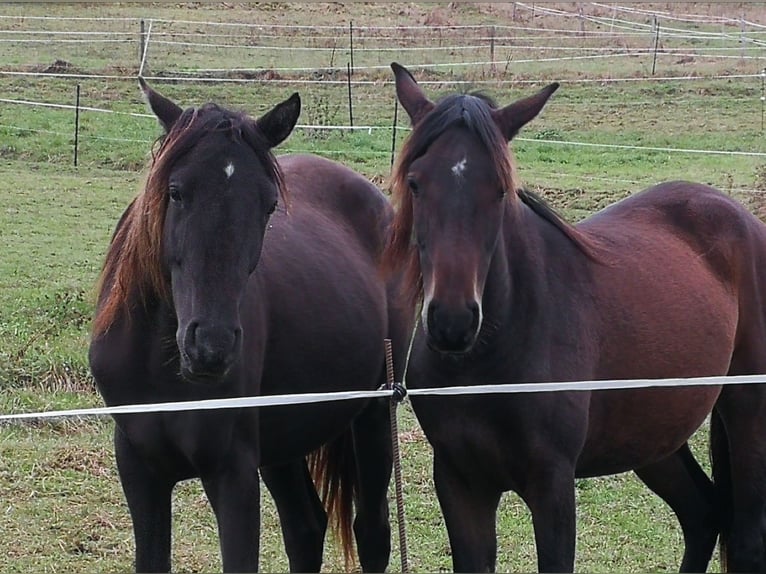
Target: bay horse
{"type": "Point", "coordinates": [670, 282]}
{"type": "Point", "coordinates": [209, 290]}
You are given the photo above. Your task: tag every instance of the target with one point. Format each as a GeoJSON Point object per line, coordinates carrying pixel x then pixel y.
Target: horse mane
{"type": "Point", "coordinates": [474, 112]}
{"type": "Point", "coordinates": [133, 271]}
{"type": "Point", "coordinates": [587, 244]}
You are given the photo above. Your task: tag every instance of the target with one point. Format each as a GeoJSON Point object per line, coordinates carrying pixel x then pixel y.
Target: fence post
{"type": "Point", "coordinates": [393, 130]}
{"type": "Point", "coordinates": [656, 43]}
{"type": "Point", "coordinates": [145, 41]}
{"type": "Point", "coordinates": [141, 43]}
{"type": "Point", "coordinates": [492, 50]}
{"type": "Point", "coordinates": [350, 108]}
{"type": "Point", "coordinates": [351, 44]}
{"type": "Point", "coordinates": [397, 459]}
{"type": "Point", "coordinates": [742, 36]}
{"type": "Point", "coordinates": [763, 95]}
{"type": "Point", "coordinates": [76, 124]}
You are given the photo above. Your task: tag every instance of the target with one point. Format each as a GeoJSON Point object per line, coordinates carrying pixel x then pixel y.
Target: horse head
{"type": "Point", "coordinates": [453, 184]}
{"type": "Point", "coordinates": [219, 185]}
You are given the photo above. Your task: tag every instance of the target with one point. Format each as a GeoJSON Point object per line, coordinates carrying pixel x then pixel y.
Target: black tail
{"type": "Point", "coordinates": [333, 468]}
{"type": "Point", "coordinates": [719, 457]}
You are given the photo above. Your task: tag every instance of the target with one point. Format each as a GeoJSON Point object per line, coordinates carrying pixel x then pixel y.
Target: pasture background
{"type": "Point", "coordinates": [62, 505]}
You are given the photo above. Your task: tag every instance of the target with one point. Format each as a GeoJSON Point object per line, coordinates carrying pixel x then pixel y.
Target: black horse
{"type": "Point", "coordinates": [210, 289]}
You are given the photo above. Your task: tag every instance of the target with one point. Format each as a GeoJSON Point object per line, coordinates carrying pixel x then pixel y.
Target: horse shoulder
{"type": "Point", "coordinates": [128, 352]}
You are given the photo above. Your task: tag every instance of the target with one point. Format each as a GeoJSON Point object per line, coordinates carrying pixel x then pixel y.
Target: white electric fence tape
{"type": "Point", "coordinates": [274, 400]}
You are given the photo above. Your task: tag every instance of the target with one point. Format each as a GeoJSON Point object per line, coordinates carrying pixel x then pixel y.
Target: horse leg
{"type": "Point", "coordinates": [679, 481]}
{"type": "Point", "coordinates": [149, 500]}
{"type": "Point", "coordinates": [550, 495]}
{"type": "Point", "coordinates": [470, 514]}
{"type": "Point", "coordinates": [738, 441]}
{"type": "Point", "coordinates": [742, 410]}
{"type": "Point", "coordinates": [234, 494]}
{"type": "Point", "coordinates": [301, 515]}
{"type": "Point", "coordinates": [373, 453]}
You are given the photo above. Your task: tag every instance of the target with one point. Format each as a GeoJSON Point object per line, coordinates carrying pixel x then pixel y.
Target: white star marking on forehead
{"type": "Point", "coordinates": [459, 168]}
{"type": "Point", "coordinates": [229, 170]}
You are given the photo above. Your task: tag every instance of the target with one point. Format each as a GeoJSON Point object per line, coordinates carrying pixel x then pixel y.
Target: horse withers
{"type": "Point", "coordinates": [670, 282]}
{"type": "Point", "coordinates": [234, 274]}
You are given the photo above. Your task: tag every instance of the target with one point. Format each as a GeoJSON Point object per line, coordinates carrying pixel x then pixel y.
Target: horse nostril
{"type": "Point", "coordinates": [210, 349]}
{"type": "Point", "coordinates": [431, 314]}
{"type": "Point", "coordinates": [191, 333]}
{"type": "Point", "coordinates": [453, 329]}
{"type": "Point", "coordinates": [475, 309]}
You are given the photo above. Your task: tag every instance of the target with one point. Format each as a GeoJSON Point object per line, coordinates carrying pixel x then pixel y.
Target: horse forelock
{"type": "Point", "coordinates": [133, 271]}
{"type": "Point", "coordinates": [473, 111]}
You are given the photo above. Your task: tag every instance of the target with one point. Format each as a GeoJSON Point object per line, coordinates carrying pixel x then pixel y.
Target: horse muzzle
{"type": "Point", "coordinates": [452, 330]}
{"type": "Point", "coordinates": [208, 351]}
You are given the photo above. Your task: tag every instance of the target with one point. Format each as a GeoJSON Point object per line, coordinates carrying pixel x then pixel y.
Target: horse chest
{"type": "Point", "coordinates": [495, 438]}
{"type": "Point", "coordinates": [186, 444]}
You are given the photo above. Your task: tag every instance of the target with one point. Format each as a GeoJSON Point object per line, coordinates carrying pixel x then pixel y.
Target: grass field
{"type": "Point", "coordinates": [63, 508]}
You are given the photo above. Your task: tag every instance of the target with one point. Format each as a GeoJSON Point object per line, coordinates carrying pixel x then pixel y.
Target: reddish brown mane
{"type": "Point", "coordinates": [473, 111]}
{"type": "Point", "coordinates": [133, 271]}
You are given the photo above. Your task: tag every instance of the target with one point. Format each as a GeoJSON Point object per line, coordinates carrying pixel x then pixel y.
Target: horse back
{"type": "Point", "coordinates": [694, 241]}
{"type": "Point", "coordinates": [335, 190]}
{"type": "Point", "coordinates": [716, 227]}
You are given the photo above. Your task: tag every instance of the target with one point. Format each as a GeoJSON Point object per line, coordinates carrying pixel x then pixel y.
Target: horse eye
{"type": "Point", "coordinates": [413, 185]}
{"type": "Point", "coordinates": [174, 192]}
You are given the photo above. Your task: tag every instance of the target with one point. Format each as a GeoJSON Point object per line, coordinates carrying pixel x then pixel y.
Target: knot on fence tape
{"type": "Point", "coordinates": [399, 392]}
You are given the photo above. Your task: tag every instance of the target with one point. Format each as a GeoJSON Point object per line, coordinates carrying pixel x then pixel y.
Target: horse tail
{"type": "Point", "coordinates": [721, 465]}
{"type": "Point", "coordinates": [333, 469]}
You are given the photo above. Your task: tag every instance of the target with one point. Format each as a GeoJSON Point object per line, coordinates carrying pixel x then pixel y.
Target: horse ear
{"type": "Point", "coordinates": [277, 124]}
{"type": "Point", "coordinates": [411, 96]}
{"type": "Point", "coordinates": [167, 112]}
{"type": "Point", "coordinates": [515, 116]}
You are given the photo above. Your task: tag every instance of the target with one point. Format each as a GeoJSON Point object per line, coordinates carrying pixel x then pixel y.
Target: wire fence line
{"type": "Point", "coordinates": [664, 14]}
{"type": "Point", "coordinates": [452, 56]}
{"type": "Point", "coordinates": [312, 398]}
{"type": "Point", "coordinates": [692, 77]}
{"type": "Point", "coordinates": [369, 128]}
{"type": "Point", "coordinates": [487, 32]}
{"type": "Point", "coordinates": [655, 14]}
{"type": "Point", "coordinates": [180, 50]}
{"type": "Point", "coordinates": [486, 37]}
{"type": "Point", "coordinates": [680, 18]}
{"type": "Point", "coordinates": [616, 52]}
{"type": "Point", "coordinates": [501, 36]}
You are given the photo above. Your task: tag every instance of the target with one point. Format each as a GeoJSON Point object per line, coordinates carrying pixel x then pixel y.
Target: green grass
{"type": "Point", "coordinates": [64, 509]}
{"type": "Point", "coordinates": [55, 226]}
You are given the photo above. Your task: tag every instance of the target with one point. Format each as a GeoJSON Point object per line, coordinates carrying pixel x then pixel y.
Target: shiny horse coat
{"type": "Point", "coordinates": [235, 274]}
{"type": "Point", "coordinates": [670, 282]}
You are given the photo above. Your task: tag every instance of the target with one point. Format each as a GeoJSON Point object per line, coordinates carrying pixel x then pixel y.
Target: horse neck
{"type": "Point", "coordinates": [528, 276]}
